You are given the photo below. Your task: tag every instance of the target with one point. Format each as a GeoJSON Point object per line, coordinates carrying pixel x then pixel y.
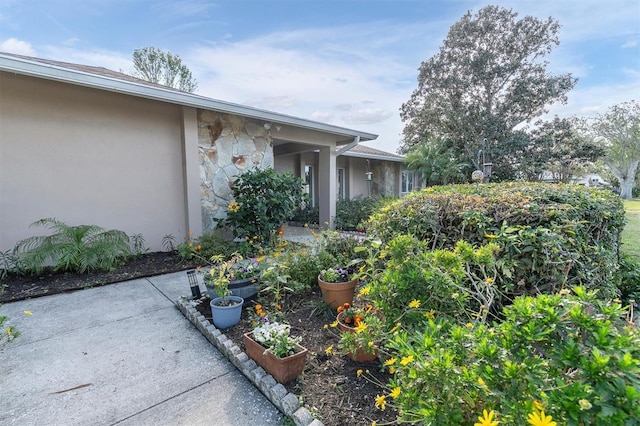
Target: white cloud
{"type": "Point", "coordinates": [321, 116]}
{"type": "Point", "coordinates": [630, 44]}
{"type": "Point", "coordinates": [274, 102]}
{"type": "Point", "coordinates": [17, 47]}
{"type": "Point", "coordinates": [366, 116]}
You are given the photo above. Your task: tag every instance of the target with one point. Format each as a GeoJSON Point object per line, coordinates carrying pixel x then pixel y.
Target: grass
{"type": "Point", "coordinates": [631, 233]}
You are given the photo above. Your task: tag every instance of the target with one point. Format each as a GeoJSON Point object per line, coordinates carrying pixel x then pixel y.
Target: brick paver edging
{"type": "Point", "coordinates": [286, 402]}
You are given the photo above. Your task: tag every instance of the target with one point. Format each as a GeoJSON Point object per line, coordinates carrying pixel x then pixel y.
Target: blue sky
{"type": "Point", "coordinates": [351, 63]}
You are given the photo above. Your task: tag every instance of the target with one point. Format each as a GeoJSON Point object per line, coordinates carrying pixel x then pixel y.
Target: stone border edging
{"type": "Point", "coordinates": [275, 392]}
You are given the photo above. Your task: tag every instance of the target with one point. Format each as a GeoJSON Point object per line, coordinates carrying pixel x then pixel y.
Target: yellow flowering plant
{"type": "Point", "coordinates": [363, 329]}
{"type": "Point", "coordinates": [567, 358]}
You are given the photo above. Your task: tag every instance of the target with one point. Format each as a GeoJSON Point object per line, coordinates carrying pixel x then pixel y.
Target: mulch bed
{"type": "Point", "coordinates": [329, 386]}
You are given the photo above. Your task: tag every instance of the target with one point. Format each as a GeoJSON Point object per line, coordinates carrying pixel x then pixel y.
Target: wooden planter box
{"type": "Point", "coordinates": [283, 370]}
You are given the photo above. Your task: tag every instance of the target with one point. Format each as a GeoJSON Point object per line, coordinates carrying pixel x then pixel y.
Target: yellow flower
{"type": "Point", "coordinates": [364, 291]}
{"type": "Point", "coordinates": [390, 361]}
{"type": "Point", "coordinates": [362, 326]}
{"type": "Point", "coordinates": [373, 423]}
{"type": "Point", "coordinates": [481, 382]}
{"type": "Point", "coordinates": [486, 419]}
{"type": "Point", "coordinates": [488, 281]}
{"type": "Point", "coordinates": [326, 326]}
{"type": "Point", "coordinates": [9, 331]}
{"type": "Point", "coordinates": [329, 350]}
{"type": "Point", "coordinates": [537, 405]}
{"type": "Point", "coordinates": [359, 373]}
{"type": "Point", "coordinates": [469, 325]}
{"type": "Point", "coordinates": [370, 344]}
{"type": "Point", "coordinates": [414, 303]}
{"type": "Point", "coordinates": [536, 419]}
{"type": "Point", "coordinates": [395, 327]}
{"type": "Point", "coordinates": [28, 313]}
{"type": "Point", "coordinates": [234, 207]}
{"type": "Point", "coordinates": [334, 324]}
{"type": "Point", "coordinates": [395, 392]}
{"type": "Point", "coordinates": [430, 315]}
{"type": "Point", "coordinates": [584, 404]}
{"type": "Point", "coordinates": [490, 236]}
{"type": "Point", "coordinates": [382, 255]}
{"type": "Point", "coordinates": [381, 402]}
{"type": "Point", "coordinates": [392, 369]}
{"type": "Point", "coordinates": [406, 360]}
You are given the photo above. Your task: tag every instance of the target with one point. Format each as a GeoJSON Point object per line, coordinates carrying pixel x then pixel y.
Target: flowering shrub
{"type": "Point", "coordinates": [263, 200]}
{"type": "Point", "coordinates": [275, 336]}
{"type": "Point", "coordinates": [337, 274]}
{"type": "Point", "coordinates": [568, 358]}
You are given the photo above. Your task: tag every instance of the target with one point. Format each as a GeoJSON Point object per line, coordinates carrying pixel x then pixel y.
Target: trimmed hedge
{"type": "Point", "coordinates": [551, 235]}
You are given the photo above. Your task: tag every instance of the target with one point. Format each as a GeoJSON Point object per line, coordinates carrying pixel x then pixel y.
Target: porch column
{"type": "Point", "coordinates": [327, 186]}
{"type": "Point", "coordinates": [191, 172]}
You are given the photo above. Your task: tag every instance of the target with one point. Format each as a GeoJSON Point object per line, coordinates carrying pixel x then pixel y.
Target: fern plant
{"type": "Point", "coordinates": [72, 248]}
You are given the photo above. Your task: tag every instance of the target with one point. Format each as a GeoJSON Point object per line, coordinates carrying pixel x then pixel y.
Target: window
{"type": "Point", "coordinates": [407, 181]}
{"type": "Point", "coordinates": [340, 184]}
{"type": "Point", "coordinates": [310, 185]}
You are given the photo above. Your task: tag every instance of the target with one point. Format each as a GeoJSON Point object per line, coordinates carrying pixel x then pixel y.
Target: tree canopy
{"type": "Point", "coordinates": [488, 78]}
{"type": "Point", "coordinates": [157, 66]}
{"type": "Point", "coordinates": [619, 130]}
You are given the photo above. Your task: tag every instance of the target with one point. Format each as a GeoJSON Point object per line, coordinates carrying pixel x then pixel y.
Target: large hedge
{"type": "Point", "coordinates": [550, 235]}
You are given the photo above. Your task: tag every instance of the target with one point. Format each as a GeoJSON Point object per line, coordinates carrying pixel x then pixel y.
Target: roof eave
{"type": "Point", "coordinates": [373, 157]}
{"type": "Point", "coordinates": [66, 75]}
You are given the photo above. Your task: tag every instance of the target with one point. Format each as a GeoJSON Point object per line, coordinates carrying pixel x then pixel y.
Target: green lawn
{"type": "Point", "coordinates": [631, 233]}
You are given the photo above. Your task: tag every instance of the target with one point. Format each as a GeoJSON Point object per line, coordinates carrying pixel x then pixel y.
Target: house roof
{"type": "Point", "coordinates": [361, 151]}
{"type": "Point", "coordinates": [105, 79]}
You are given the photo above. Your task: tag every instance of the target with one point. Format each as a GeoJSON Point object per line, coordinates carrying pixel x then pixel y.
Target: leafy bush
{"type": "Point", "coordinates": [550, 235]}
{"type": "Point", "coordinates": [352, 214]}
{"type": "Point", "coordinates": [336, 249]}
{"type": "Point", "coordinates": [263, 200]}
{"type": "Point", "coordinates": [629, 278]}
{"type": "Point", "coordinates": [307, 215]}
{"type": "Point", "coordinates": [459, 283]}
{"type": "Point", "coordinates": [72, 248]}
{"type": "Point", "coordinates": [206, 246]}
{"type": "Point", "coordinates": [572, 356]}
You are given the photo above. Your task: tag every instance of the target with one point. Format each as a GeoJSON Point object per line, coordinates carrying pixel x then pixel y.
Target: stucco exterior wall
{"type": "Point", "coordinates": [86, 156]}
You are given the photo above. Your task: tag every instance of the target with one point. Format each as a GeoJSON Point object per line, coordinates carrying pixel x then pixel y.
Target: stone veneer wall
{"type": "Point", "coordinates": [228, 145]}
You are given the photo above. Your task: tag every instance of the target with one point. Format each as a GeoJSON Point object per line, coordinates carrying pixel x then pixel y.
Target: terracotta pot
{"type": "Point", "coordinates": [337, 294]}
{"type": "Point", "coordinates": [361, 354]}
{"type": "Point", "coordinates": [284, 369]}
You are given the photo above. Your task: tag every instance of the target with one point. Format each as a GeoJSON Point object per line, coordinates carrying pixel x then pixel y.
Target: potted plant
{"type": "Point", "coordinates": [362, 331]}
{"type": "Point", "coordinates": [271, 346]}
{"type": "Point", "coordinates": [242, 274]}
{"type": "Point", "coordinates": [337, 285]}
{"type": "Point", "coordinates": [226, 309]}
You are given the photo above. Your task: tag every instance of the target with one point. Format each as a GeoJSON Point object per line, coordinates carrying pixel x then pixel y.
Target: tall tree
{"type": "Point", "coordinates": [157, 66]}
{"type": "Point", "coordinates": [488, 77]}
{"type": "Point", "coordinates": [619, 129]}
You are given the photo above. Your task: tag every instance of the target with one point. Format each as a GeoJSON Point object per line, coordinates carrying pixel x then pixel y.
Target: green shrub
{"type": "Point", "coordinates": [335, 249]}
{"type": "Point", "coordinates": [352, 214]}
{"type": "Point", "coordinates": [459, 283]}
{"type": "Point", "coordinates": [551, 235]}
{"type": "Point", "coordinates": [629, 279]}
{"type": "Point", "coordinates": [72, 248]}
{"type": "Point", "coordinates": [263, 200]}
{"type": "Point", "coordinates": [573, 356]}
{"type": "Point", "coordinates": [209, 244]}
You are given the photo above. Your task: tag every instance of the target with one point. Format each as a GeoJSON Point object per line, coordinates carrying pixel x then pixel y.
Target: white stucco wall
{"type": "Point", "coordinates": [86, 156]}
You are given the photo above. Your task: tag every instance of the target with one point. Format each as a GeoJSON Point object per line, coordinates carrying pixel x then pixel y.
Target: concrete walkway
{"type": "Point", "coordinates": [120, 354]}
